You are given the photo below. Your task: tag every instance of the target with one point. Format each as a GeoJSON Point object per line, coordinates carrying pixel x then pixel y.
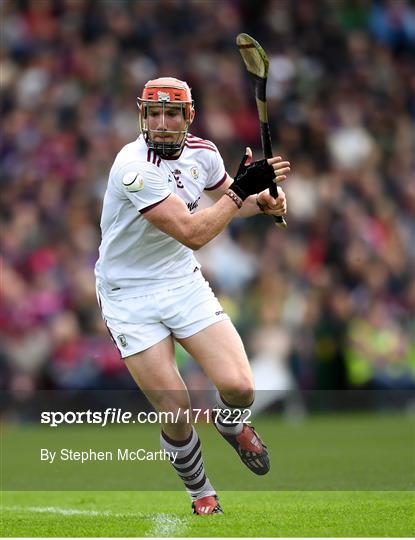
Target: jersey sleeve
{"type": "Point", "coordinates": [217, 173]}
{"type": "Point", "coordinates": [143, 184]}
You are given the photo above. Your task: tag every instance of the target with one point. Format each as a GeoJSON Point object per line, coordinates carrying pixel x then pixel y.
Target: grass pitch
{"type": "Point", "coordinates": [155, 514]}
{"type": "Point", "coordinates": [371, 458]}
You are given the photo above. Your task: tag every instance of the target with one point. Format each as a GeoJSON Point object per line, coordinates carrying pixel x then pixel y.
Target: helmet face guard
{"type": "Point", "coordinates": [164, 95]}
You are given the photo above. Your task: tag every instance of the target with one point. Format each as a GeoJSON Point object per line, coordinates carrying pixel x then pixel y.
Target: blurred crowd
{"type": "Point", "coordinates": [328, 303]}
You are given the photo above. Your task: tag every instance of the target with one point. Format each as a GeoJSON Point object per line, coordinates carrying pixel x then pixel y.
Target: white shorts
{"type": "Point", "coordinates": [135, 324]}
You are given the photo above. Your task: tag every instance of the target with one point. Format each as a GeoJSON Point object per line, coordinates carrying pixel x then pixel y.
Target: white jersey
{"type": "Point", "coordinates": [136, 258]}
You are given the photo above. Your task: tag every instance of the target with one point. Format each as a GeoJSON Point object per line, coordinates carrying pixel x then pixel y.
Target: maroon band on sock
{"type": "Point", "coordinates": [174, 442]}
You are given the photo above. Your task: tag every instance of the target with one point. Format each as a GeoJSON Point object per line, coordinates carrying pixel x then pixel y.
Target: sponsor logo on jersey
{"type": "Point", "coordinates": [193, 205]}
{"type": "Point", "coordinates": [133, 181]}
{"type": "Point", "coordinates": [194, 172]}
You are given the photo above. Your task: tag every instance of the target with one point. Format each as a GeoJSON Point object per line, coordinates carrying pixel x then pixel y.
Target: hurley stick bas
{"type": "Point", "coordinates": [256, 63]}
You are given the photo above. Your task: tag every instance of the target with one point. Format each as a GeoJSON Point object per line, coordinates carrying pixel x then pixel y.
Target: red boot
{"type": "Point", "coordinates": [207, 505]}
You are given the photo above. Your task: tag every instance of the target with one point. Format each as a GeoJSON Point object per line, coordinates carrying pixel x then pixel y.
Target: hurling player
{"type": "Point", "coordinates": [149, 284]}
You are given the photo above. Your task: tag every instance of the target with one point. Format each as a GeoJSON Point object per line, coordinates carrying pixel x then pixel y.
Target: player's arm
{"type": "Point", "coordinates": [270, 205]}
{"type": "Point", "coordinates": [193, 230]}
{"type": "Point", "coordinates": [264, 199]}
{"type": "Point", "coordinates": [172, 216]}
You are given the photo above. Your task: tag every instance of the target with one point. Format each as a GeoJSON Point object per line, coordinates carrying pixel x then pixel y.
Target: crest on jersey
{"type": "Point", "coordinates": [163, 96]}
{"type": "Point", "coordinates": [194, 172]}
{"type": "Point", "coordinates": [122, 340]}
{"type": "Point", "coordinates": [133, 181]}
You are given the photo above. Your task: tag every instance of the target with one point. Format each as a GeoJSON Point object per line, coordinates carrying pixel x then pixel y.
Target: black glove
{"type": "Point", "coordinates": [252, 178]}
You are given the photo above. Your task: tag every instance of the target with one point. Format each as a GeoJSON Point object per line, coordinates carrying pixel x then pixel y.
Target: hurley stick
{"type": "Point", "coordinates": [256, 63]}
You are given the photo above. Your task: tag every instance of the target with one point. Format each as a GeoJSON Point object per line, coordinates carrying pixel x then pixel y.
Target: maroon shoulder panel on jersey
{"type": "Point", "coordinates": [193, 141]}
{"type": "Point", "coordinates": [195, 146]}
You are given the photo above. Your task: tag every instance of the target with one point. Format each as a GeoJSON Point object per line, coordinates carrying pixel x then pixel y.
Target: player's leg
{"type": "Point", "coordinates": [155, 372]}
{"type": "Point", "coordinates": [219, 350]}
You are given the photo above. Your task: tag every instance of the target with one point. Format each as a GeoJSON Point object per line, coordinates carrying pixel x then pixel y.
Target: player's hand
{"type": "Point", "coordinates": [281, 168]}
{"type": "Point", "coordinates": [254, 176]}
{"type": "Point", "coordinates": [270, 205]}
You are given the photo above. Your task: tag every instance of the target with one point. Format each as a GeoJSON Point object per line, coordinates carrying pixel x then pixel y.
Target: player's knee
{"type": "Point", "coordinates": [238, 392]}
{"type": "Point", "coordinates": [173, 408]}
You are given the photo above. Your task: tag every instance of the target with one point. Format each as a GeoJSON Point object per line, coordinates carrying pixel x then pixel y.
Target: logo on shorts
{"type": "Point", "coordinates": [221, 312]}
{"type": "Point", "coordinates": [122, 340]}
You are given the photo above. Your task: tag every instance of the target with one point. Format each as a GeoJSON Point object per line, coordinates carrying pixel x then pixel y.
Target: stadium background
{"type": "Point", "coordinates": [327, 304]}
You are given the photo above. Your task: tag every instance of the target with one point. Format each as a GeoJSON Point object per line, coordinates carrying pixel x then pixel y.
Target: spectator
{"type": "Point", "coordinates": [342, 109]}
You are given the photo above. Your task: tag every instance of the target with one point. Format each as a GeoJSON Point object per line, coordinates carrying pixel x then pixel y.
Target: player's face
{"type": "Point", "coordinates": [166, 123]}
